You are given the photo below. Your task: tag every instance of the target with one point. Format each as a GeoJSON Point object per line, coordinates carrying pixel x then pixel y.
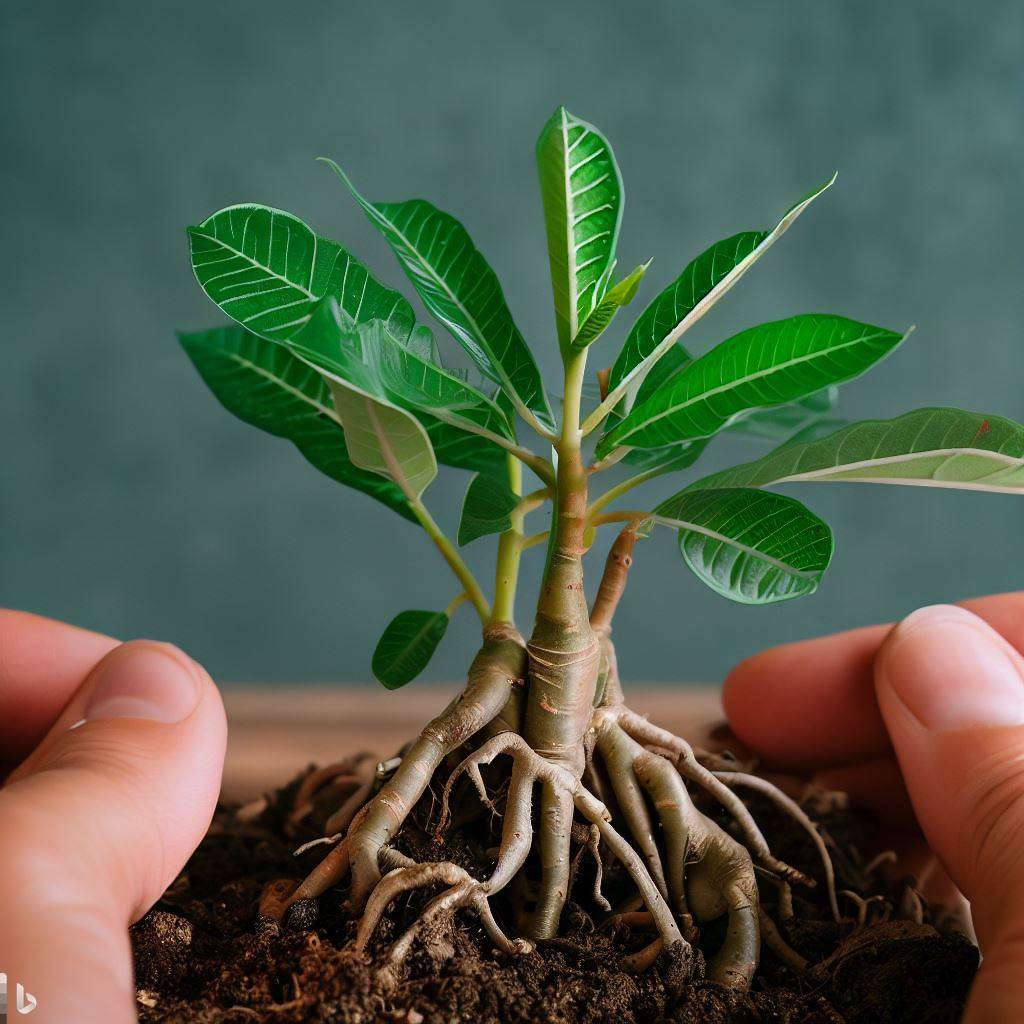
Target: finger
{"type": "Point", "coordinates": [812, 704]}
{"type": "Point", "coordinates": [99, 821]}
{"type": "Point", "coordinates": [951, 691]}
{"type": "Point", "coordinates": [42, 663]}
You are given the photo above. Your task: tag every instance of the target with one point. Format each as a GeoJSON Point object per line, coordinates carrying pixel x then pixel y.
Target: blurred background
{"type": "Point", "coordinates": [132, 503]}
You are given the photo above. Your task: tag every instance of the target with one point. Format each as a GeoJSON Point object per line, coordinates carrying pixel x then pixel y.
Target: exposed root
{"type": "Point", "coordinates": [796, 812]}
{"type": "Point", "coordinates": [643, 731]}
{"type": "Point", "coordinates": [528, 769]}
{"type": "Point", "coordinates": [777, 944]}
{"type": "Point", "coordinates": [643, 959]}
{"type": "Point", "coordinates": [590, 842]}
{"type": "Point", "coordinates": [339, 774]}
{"type": "Point", "coordinates": [686, 868]}
{"type": "Point", "coordinates": [879, 860]}
{"type": "Point", "coordinates": [864, 905]}
{"type": "Point", "coordinates": [500, 663]}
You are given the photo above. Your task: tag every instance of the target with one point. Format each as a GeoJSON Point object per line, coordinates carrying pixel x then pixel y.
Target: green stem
{"type": "Point", "coordinates": [509, 550]}
{"type": "Point", "coordinates": [628, 516]}
{"type": "Point", "coordinates": [455, 602]}
{"type": "Point", "coordinates": [454, 559]}
{"type": "Point", "coordinates": [611, 459]}
{"type": "Point", "coordinates": [541, 466]}
{"type": "Point", "coordinates": [620, 489]}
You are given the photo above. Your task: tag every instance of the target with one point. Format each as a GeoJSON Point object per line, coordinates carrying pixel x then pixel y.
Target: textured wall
{"type": "Point", "coordinates": [130, 502]}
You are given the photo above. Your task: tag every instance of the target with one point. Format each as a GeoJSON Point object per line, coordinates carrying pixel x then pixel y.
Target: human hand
{"type": "Point", "coordinates": [97, 818]}
{"type": "Point", "coordinates": [924, 723]}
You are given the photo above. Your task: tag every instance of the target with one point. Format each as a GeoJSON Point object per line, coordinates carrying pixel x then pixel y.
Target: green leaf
{"type": "Point", "coordinates": [753, 547]}
{"type": "Point", "coordinates": [458, 286]}
{"type": "Point", "coordinates": [267, 270]}
{"type": "Point", "coordinates": [783, 421]}
{"type": "Point", "coordinates": [265, 385]}
{"type": "Point", "coordinates": [487, 508]}
{"type": "Point", "coordinates": [465, 427]}
{"type": "Point", "coordinates": [581, 190]}
{"type": "Point", "coordinates": [667, 367]}
{"type": "Point", "coordinates": [618, 296]}
{"type": "Point", "coordinates": [380, 436]}
{"type": "Point", "coordinates": [701, 284]}
{"type": "Point", "coordinates": [407, 645]}
{"type": "Point", "coordinates": [925, 448]}
{"type": "Point", "coordinates": [767, 365]}
{"type": "Point", "coordinates": [385, 439]}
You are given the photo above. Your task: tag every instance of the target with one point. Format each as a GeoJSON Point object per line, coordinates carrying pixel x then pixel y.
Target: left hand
{"type": "Point", "coordinates": [115, 753]}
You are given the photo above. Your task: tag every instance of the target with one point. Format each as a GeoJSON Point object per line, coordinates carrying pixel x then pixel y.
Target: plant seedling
{"type": "Point", "coordinates": [321, 353]}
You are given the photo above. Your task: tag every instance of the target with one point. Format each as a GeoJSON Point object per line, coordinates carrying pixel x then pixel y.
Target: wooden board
{"type": "Point", "coordinates": [276, 731]}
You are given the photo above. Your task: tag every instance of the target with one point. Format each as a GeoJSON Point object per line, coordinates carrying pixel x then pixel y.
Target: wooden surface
{"type": "Point", "coordinates": [276, 731]}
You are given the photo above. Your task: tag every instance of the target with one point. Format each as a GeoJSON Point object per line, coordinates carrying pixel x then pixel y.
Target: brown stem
{"type": "Point", "coordinates": [563, 650]}
{"type": "Point", "coordinates": [613, 582]}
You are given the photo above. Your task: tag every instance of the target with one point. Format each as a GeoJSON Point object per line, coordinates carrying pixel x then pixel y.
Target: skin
{"type": "Point", "coordinates": [923, 723]}
{"type": "Point", "coordinates": [99, 819]}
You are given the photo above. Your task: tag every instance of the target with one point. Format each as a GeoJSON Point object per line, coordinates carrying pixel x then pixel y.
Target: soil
{"type": "Point", "coordinates": [204, 953]}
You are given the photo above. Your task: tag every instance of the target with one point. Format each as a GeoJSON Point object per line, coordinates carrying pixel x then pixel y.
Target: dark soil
{"type": "Point", "coordinates": [204, 954]}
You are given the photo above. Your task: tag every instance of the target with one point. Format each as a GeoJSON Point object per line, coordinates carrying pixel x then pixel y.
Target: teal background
{"type": "Point", "coordinates": [132, 503]}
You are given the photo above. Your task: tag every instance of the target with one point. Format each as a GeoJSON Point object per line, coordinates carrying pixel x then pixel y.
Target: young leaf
{"type": "Point", "coordinates": [407, 645]}
{"type": "Point", "coordinates": [925, 448]}
{"type": "Point", "coordinates": [753, 547]}
{"type": "Point", "coordinates": [379, 435]}
{"type": "Point", "coordinates": [267, 270]}
{"type": "Point", "coordinates": [487, 508]}
{"type": "Point", "coordinates": [384, 439]}
{"type": "Point", "coordinates": [459, 287]}
{"type": "Point", "coordinates": [701, 284]}
{"type": "Point", "coordinates": [464, 425]}
{"type": "Point", "coordinates": [766, 365]}
{"type": "Point", "coordinates": [615, 298]}
{"type": "Point", "coordinates": [265, 385]}
{"type": "Point", "coordinates": [581, 191]}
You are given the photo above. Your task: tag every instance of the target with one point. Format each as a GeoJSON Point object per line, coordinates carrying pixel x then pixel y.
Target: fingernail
{"type": "Point", "coordinates": [952, 671]}
{"type": "Point", "coordinates": [144, 680]}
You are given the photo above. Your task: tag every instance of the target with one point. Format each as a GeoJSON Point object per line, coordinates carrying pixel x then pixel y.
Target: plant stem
{"type": "Point", "coordinates": [534, 539]}
{"type": "Point", "coordinates": [619, 489]}
{"type": "Point", "coordinates": [611, 459]}
{"type": "Point", "coordinates": [509, 549]}
{"type": "Point", "coordinates": [458, 599]}
{"type": "Point", "coordinates": [628, 516]}
{"type": "Point", "coordinates": [454, 559]}
{"type": "Point", "coordinates": [563, 649]}
{"type": "Point", "coordinates": [541, 466]}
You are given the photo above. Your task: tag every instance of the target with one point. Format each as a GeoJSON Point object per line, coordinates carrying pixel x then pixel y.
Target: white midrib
{"type": "Point", "coordinates": [767, 371]}
{"type": "Point", "coordinates": [570, 238]}
{"type": "Point", "coordinates": [745, 548]}
{"type": "Point", "coordinates": [1008, 461]}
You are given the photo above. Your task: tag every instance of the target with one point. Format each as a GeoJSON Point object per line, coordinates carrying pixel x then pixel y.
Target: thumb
{"type": "Point", "coordinates": [98, 821]}
{"type": "Point", "coordinates": [951, 691]}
